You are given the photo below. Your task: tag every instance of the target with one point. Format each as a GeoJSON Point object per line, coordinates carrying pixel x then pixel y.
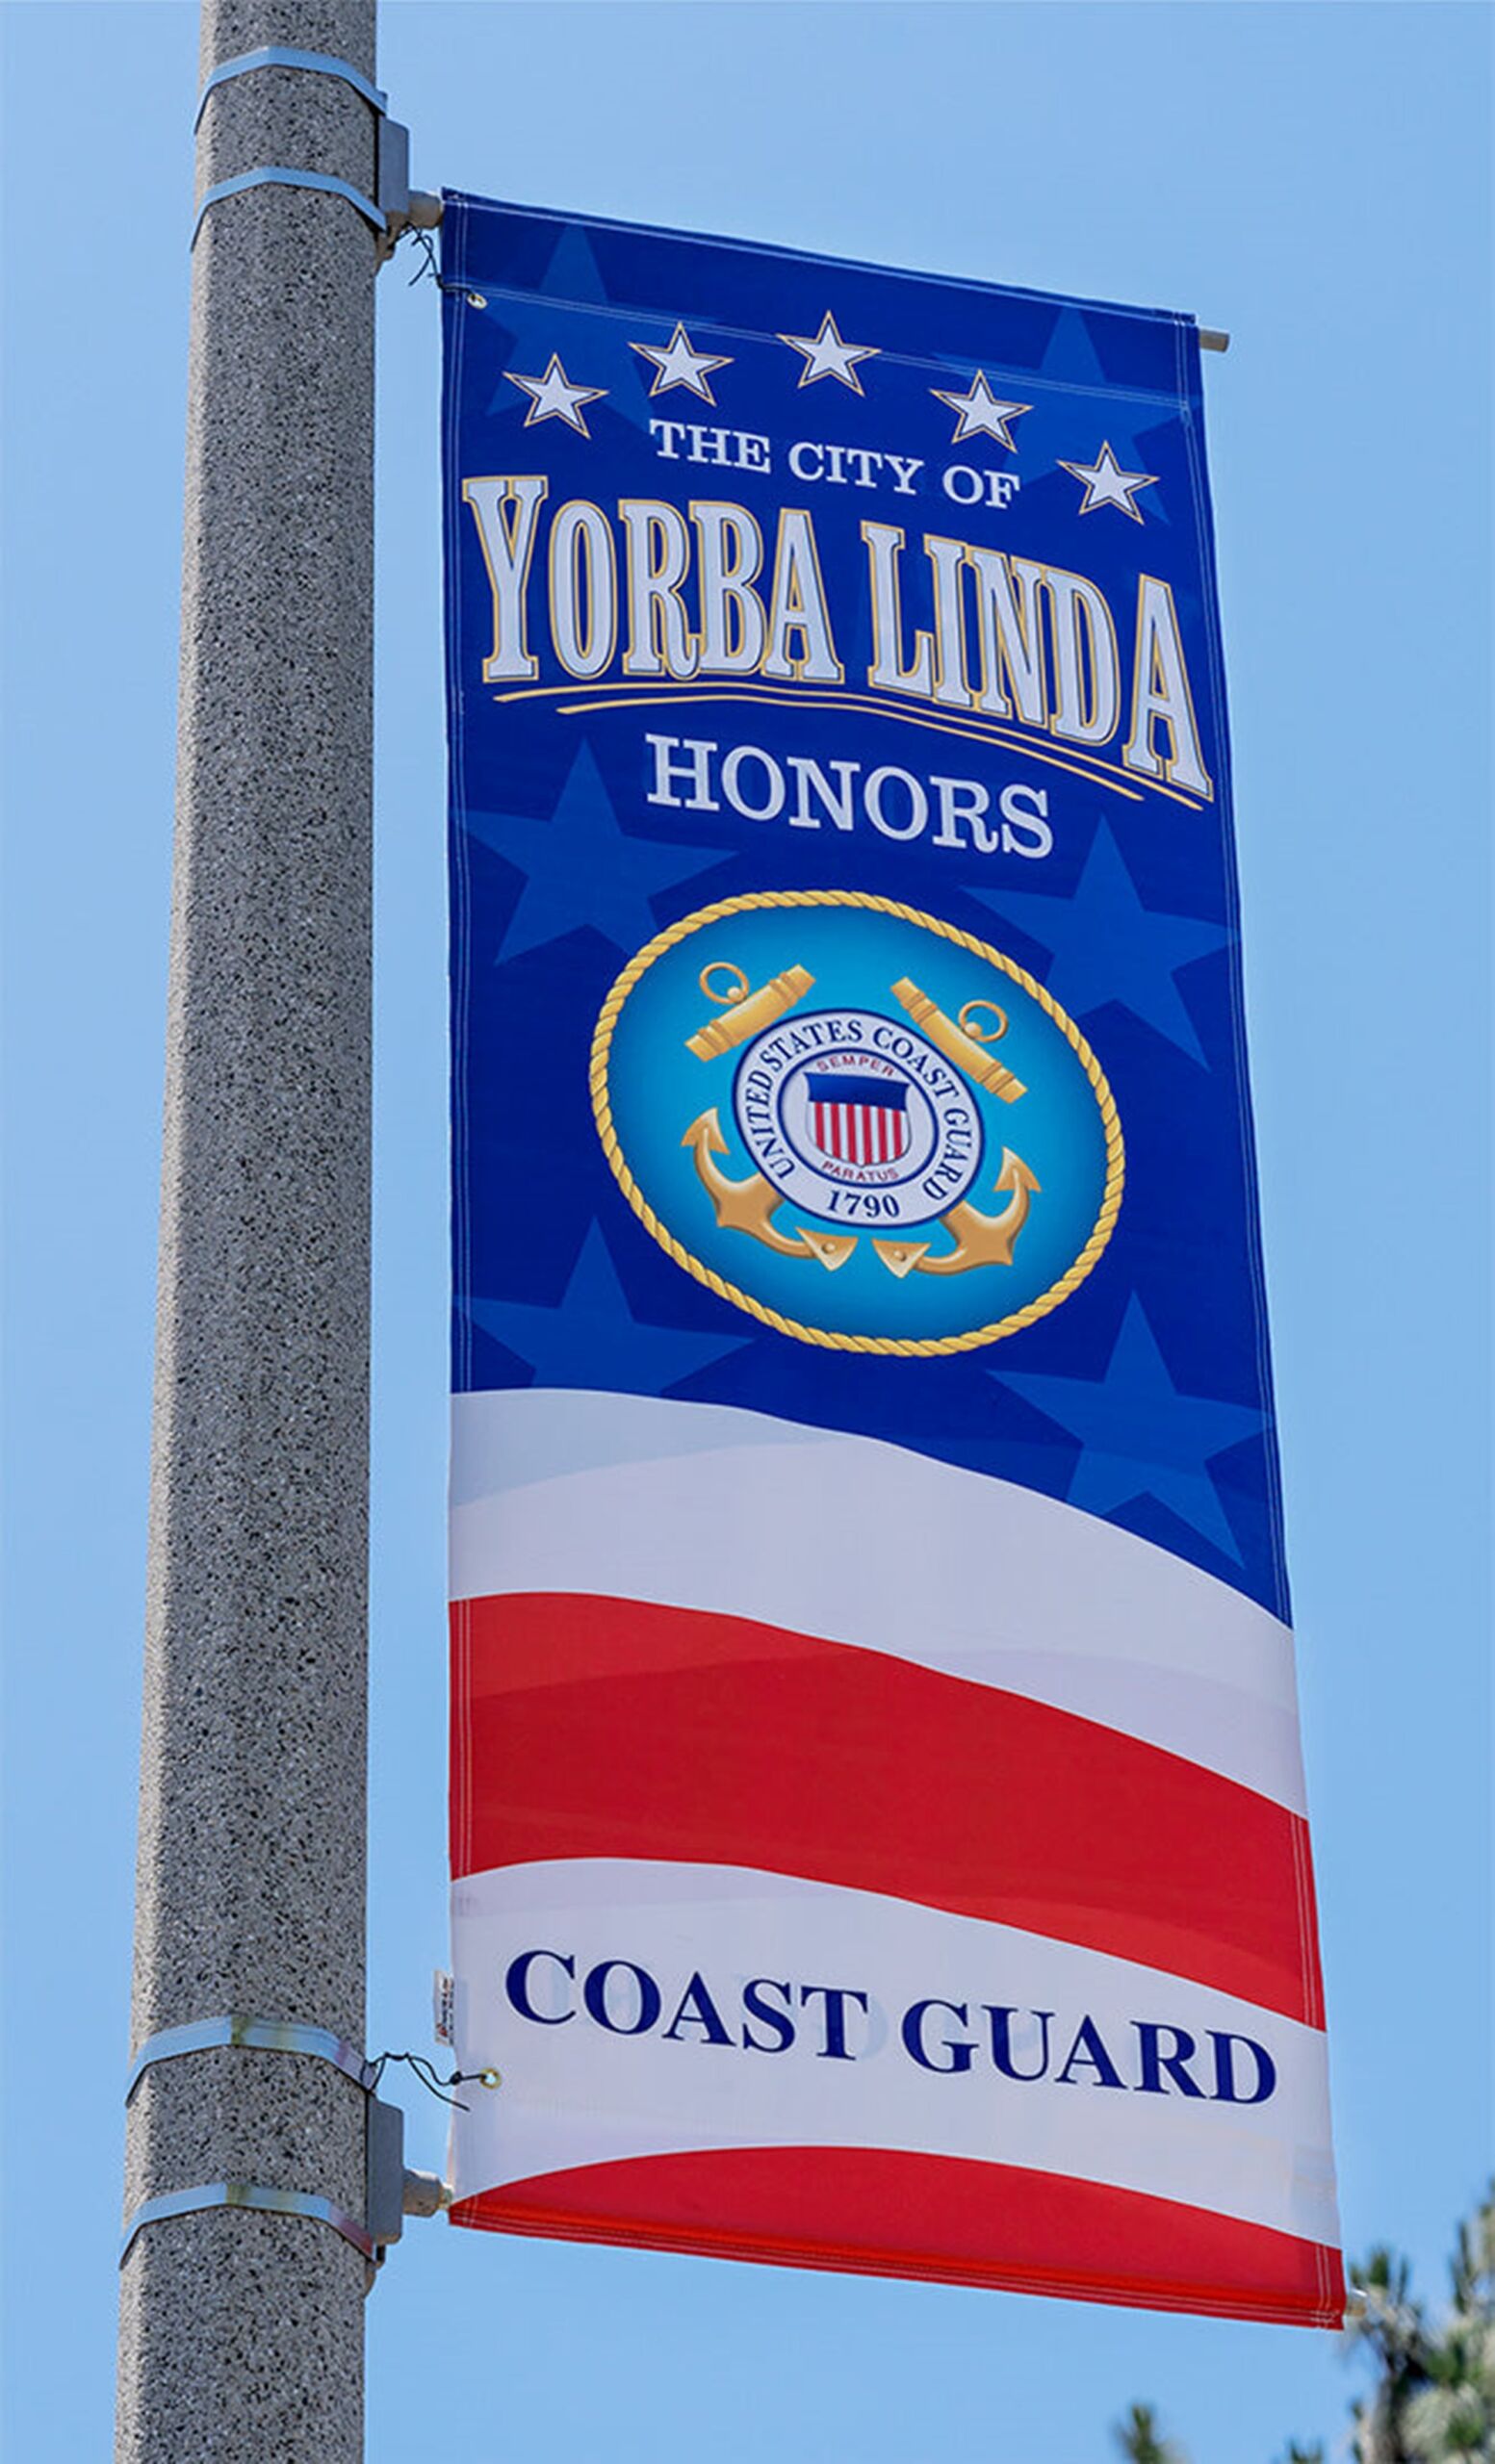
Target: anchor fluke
{"type": "Point", "coordinates": [748, 1205]}
{"type": "Point", "coordinates": [980, 1240]}
{"type": "Point", "coordinates": [831, 1248]}
{"type": "Point", "coordinates": [901, 1257]}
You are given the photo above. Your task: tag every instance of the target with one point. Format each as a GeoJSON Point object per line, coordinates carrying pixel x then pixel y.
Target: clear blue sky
{"type": "Point", "coordinates": [1316, 179]}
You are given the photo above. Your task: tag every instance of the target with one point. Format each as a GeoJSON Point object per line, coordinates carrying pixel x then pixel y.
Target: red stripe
{"type": "Point", "coordinates": [614, 1728]}
{"type": "Point", "coordinates": [880, 2211]}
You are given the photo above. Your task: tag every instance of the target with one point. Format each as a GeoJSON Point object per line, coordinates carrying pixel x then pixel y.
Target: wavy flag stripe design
{"type": "Point", "coordinates": [879, 1835]}
{"type": "Point", "coordinates": [985, 1803]}
{"type": "Point", "coordinates": [594, 1732]}
{"type": "Point", "coordinates": [882, 2212]}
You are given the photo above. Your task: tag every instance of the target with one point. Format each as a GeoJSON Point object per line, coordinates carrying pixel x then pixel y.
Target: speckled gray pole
{"type": "Point", "coordinates": [242, 2334]}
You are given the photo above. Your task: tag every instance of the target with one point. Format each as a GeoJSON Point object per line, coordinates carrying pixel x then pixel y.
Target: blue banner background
{"type": "Point", "coordinates": [1145, 1397]}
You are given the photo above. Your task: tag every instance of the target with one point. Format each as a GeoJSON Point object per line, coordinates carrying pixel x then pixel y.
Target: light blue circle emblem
{"type": "Point", "coordinates": [857, 1122]}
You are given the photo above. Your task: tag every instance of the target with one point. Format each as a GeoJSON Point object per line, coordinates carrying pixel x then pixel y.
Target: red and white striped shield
{"type": "Point", "coordinates": [858, 1120]}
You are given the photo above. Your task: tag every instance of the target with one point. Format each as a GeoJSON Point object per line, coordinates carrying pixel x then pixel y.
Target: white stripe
{"type": "Point", "coordinates": [577, 2094]}
{"type": "Point", "coordinates": [698, 1506]}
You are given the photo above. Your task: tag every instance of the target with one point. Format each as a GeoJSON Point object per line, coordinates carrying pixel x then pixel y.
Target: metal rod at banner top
{"type": "Point", "coordinates": [242, 2319]}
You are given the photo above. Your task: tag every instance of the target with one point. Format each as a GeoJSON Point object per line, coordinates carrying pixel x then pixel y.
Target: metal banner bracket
{"type": "Point", "coordinates": [316, 63]}
{"type": "Point", "coordinates": [391, 209]}
{"type": "Point", "coordinates": [250, 2195]}
{"type": "Point", "coordinates": [391, 2192]}
{"type": "Point", "coordinates": [258, 2036]}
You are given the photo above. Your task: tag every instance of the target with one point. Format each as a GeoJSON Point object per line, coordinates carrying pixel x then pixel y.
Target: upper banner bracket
{"type": "Point", "coordinates": [316, 63]}
{"type": "Point", "coordinates": [392, 209]}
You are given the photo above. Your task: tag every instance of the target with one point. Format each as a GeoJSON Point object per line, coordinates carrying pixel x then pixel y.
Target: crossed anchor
{"type": "Point", "coordinates": [750, 1205]}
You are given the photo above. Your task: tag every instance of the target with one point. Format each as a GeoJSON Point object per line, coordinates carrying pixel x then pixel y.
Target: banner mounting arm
{"type": "Point", "coordinates": [392, 2191]}
{"type": "Point", "coordinates": [393, 209]}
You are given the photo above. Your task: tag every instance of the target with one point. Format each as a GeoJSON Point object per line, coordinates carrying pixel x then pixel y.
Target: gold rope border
{"type": "Point", "coordinates": [904, 1346]}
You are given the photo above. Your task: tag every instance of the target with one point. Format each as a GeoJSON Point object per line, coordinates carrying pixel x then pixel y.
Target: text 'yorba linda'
{"type": "Point", "coordinates": [655, 595]}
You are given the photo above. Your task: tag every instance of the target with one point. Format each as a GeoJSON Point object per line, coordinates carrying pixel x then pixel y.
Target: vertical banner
{"type": "Point", "coordinates": [876, 1814]}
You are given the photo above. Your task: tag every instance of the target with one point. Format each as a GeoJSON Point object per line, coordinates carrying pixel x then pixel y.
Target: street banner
{"type": "Point", "coordinates": [878, 1827]}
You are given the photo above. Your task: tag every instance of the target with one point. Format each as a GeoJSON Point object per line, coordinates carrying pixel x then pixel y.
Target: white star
{"type": "Point", "coordinates": [981, 413]}
{"type": "Point", "coordinates": [552, 396]}
{"type": "Point", "coordinates": [677, 364]}
{"type": "Point", "coordinates": [828, 356]}
{"type": "Point", "coordinates": [1108, 483]}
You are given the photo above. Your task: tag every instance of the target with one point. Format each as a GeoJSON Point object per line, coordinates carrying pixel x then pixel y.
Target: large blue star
{"type": "Point", "coordinates": [1140, 1436]}
{"type": "Point", "coordinates": [591, 1336]}
{"type": "Point", "coordinates": [546, 320]}
{"type": "Point", "coordinates": [1107, 946]}
{"type": "Point", "coordinates": [1095, 408]}
{"type": "Point", "coordinates": [581, 868]}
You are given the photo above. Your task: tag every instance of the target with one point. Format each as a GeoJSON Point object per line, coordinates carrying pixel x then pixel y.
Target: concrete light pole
{"type": "Point", "coordinates": [241, 2332]}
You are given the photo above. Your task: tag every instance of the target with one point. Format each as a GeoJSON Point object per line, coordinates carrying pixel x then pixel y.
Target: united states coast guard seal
{"type": "Point", "coordinates": [810, 1099]}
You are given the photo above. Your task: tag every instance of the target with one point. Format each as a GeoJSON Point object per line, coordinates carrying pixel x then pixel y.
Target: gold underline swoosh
{"type": "Point", "coordinates": [846, 700]}
{"type": "Point", "coordinates": [635, 695]}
